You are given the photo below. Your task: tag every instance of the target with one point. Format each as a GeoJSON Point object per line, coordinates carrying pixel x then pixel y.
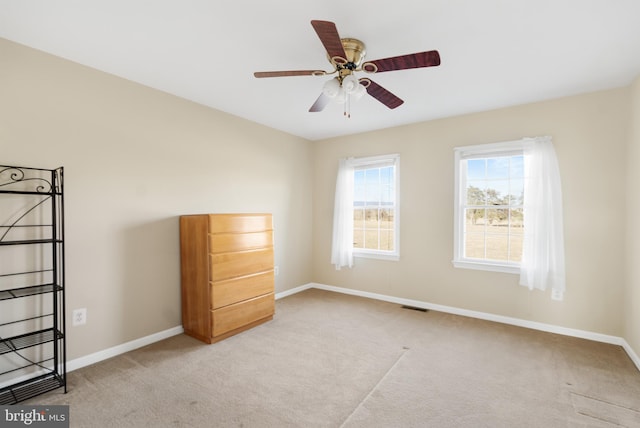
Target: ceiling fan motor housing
{"type": "Point", "coordinates": [354, 50]}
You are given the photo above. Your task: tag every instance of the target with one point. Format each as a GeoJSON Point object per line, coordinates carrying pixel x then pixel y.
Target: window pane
{"type": "Point", "coordinates": [386, 176]}
{"type": "Point", "coordinates": [517, 167]}
{"type": "Point", "coordinates": [372, 185]}
{"type": "Point", "coordinates": [372, 175]}
{"type": "Point", "coordinates": [386, 195]}
{"type": "Point", "coordinates": [475, 219]}
{"type": "Point", "coordinates": [358, 218]}
{"type": "Point", "coordinates": [516, 190]}
{"type": "Point", "coordinates": [476, 169]}
{"type": "Point", "coordinates": [371, 239]}
{"type": "Point", "coordinates": [358, 187]}
{"type": "Point", "coordinates": [475, 193]}
{"type": "Point", "coordinates": [386, 218]}
{"type": "Point", "coordinates": [493, 197]}
{"type": "Point", "coordinates": [371, 218]}
{"type": "Point", "coordinates": [498, 221]}
{"type": "Point", "coordinates": [386, 240]}
{"type": "Point", "coordinates": [372, 196]}
{"type": "Point", "coordinates": [358, 238]}
{"type": "Point", "coordinates": [515, 248]}
{"type": "Point", "coordinates": [517, 221]}
{"type": "Point", "coordinates": [498, 168]}
{"type": "Point", "coordinates": [498, 247]}
{"type": "Point", "coordinates": [474, 245]}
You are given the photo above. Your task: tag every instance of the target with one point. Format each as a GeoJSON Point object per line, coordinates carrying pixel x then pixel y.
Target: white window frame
{"type": "Point", "coordinates": [508, 148]}
{"type": "Point", "coordinates": [377, 162]}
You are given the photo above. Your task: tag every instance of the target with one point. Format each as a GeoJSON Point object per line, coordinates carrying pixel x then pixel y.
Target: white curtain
{"type": "Point", "coordinates": [542, 264]}
{"type": "Point", "coordinates": [342, 245]}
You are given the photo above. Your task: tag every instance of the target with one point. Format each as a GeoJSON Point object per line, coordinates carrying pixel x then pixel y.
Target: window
{"type": "Point", "coordinates": [489, 217]}
{"type": "Point", "coordinates": [375, 206]}
{"type": "Point", "coordinates": [366, 215]}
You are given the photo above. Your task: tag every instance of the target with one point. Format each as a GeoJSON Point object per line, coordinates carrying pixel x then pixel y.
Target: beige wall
{"type": "Point", "coordinates": [589, 133]}
{"type": "Point", "coordinates": [135, 159]}
{"type": "Point", "coordinates": [632, 296]}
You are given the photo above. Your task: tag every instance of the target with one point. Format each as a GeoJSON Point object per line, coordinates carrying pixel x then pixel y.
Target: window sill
{"type": "Point", "coordinates": [487, 266]}
{"type": "Point", "coordinates": [378, 256]}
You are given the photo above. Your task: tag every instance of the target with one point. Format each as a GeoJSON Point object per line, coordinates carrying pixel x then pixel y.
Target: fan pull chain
{"type": "Point", "coordinates": [347, 106]}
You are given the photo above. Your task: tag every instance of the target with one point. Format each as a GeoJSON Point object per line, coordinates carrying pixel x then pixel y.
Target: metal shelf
{"type": "Point", "coordinates": [29, 340]}
{"type": "Point", "coordinates": [31, 242]}
{"type": "Point", "coordinates": [27, 192]}
{"type": "Point", "coordinates": [31, 388]}
{"type": "Point", "coordinates": [17, 293]}
{"type": "Point", "coordinates": [35, 196]}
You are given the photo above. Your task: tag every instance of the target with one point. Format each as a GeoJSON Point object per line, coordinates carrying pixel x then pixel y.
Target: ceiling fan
{"type": "Point", "coordinates": [347, 56]}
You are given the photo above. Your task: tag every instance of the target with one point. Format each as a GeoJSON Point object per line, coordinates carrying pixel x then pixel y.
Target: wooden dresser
{"type": "Point", "coordinates": [226, 272]}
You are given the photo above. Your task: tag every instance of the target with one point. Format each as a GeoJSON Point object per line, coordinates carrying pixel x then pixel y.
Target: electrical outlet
{"type": "Point", "coordinates": [79, 317]}
{"type": "Point", "coordinates": [276, 270]}
{"type": "Point", "coordinates": [557, 295]}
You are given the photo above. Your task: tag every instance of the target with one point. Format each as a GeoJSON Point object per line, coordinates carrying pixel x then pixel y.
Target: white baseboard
{"type": "Point", "coordinates": [121, 349]}
{"type": "Point", "coordinates": [293, 291]}
{"type": "Point", "coordinates": [631, 353]}
{"type": "Point", "coordinates": [598, 337]}
{"type": "Point", "coordinates": [147, 340]}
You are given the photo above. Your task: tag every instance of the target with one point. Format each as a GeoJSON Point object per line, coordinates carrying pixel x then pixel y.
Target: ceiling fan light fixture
{"type": "Point", "coordinates": [332, 88]}
{"type": "Point", "coordinates": [359, 92]}
{"type": "Point", "coordinates": [350, 84]}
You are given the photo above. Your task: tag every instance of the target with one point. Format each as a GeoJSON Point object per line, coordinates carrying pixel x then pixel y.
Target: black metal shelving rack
{"type": "Point", "coordinates": [32, 277]}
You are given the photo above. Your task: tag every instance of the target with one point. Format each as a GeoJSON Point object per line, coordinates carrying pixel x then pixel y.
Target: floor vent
{"type": "Point", "coordinates": [414, 308]}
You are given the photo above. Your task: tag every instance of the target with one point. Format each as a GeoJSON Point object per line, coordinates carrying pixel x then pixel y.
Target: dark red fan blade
{"type": "Point", "coordinates": [320, 103]}
{"type": "Point", "coordinates": [287, 73]}
{"type": "Point", "coordinates": [382, 95]}
{"type": "Point", "coordinates": [328, 34]}
{"type": "Point", "coordinates": [403, 62]}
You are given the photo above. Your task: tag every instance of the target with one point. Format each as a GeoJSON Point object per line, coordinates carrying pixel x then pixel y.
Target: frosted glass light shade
{"type": "Point", "coordinates": [350, 84]}
{"type": "Point", "coordinates": [359, 92]}
{"type": "Point", "coordinates": [332, 88]}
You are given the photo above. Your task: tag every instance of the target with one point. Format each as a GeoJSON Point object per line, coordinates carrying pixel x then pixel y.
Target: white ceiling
{"type": "Point", "coordinates": [495, 53]}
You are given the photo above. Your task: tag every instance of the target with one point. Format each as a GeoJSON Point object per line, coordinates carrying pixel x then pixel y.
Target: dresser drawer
{"type": "Point", "coordinates": [235, 316]}
{"type": "Point", "coordinates": [230, 242]}
{"type": "Point", "coordinates": [235, 290]}
{"type": "Point", "coordinates": [239, 223]}
{"type": "Point", "coordinates": [231, 265]}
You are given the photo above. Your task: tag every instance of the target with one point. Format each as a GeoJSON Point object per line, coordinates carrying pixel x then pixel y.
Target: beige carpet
{"type": "Point", "coordinates": [331, 360]}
